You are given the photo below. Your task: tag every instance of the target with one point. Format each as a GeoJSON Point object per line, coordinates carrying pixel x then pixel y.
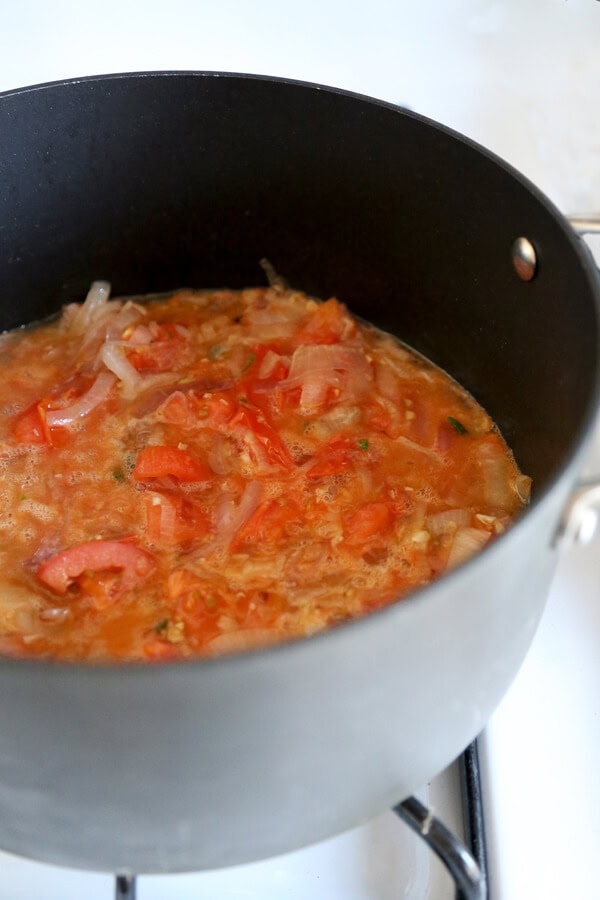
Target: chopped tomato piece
{"type": "Point", "coordinates": [335, 457]}
{"type": "Point", "coordinates": [328, 324]}
{"type": "Point", "coordinates": [368, 522]}
{"type": "Point", "coordinates": [194, 409]}
{"type": "Point", "coordinates": [159, 461]}
{"type": "Point", "coordinates": [159, 650]}
{"type": "Point", "coordinates": [101, 588]}
{"type": "Point", "coordinates": [172, 519]}
{"type": "Point", "coordinates": [62, 570]}
{"type": "Point", "coordinates": [197, 603]}
{"type": "Point", "coordinates": [30, 427]}
{"type": "Point", "coordinates": [268, 523]}
{"type": "Point", "coordinates": [259, 388]}
{"type": "Point", "coordinates": [263, 442]}
{"type": "Point", "coordinates": [178, 410]}
{"type": "Point", "coordinates": [277, 367]}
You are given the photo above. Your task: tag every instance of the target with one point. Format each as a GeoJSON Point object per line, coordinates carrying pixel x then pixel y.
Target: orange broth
{"type": "Point", "coordinates": [214, 471]}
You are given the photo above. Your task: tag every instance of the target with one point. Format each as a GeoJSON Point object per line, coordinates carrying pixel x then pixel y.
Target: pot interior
{"type": "Point", "coordinates": [160, 181]}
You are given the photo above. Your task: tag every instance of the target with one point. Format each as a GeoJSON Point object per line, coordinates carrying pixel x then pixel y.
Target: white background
{"type": "Point", "coordinates": [523, 78]}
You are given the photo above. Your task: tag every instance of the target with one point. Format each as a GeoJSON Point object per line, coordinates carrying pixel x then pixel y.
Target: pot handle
{"type": "Point", "coordinates": [581, 517]}
{"type": "Point", "coordinates": [585, 223]}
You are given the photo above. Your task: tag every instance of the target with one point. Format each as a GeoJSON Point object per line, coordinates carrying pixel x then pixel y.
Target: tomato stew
{"type": "Point", "coordinates": [214, 471]}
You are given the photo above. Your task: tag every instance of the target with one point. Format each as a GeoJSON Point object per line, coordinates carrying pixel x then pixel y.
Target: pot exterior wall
{"type": "Point", "coordinates": [212, 764]}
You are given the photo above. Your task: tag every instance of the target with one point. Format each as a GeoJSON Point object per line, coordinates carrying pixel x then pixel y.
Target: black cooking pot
{"type": "Point", "coordinates": [164, 180]}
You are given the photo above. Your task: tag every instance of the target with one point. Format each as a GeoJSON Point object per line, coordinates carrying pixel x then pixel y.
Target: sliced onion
{"type": "Point", "coordinates": [238, 641]}
{"type": "Point", "coordinates": [338, 418]}
{"type": "Point", "coordinates": [230, 518]}
{"type": "Point", "coordinates": [523, 487]}
{"type": "Point", "coordinates": [449, 519]}
{"type": "Point", "coordinates": [113, 357]}
{"type": "Point", "coordinates": [411, 445]}
{"type": "Point", "coordinates": [97, 296]}
{"type": "Point", "coordinates": [269, 362]}
{"type": "Point", "coordinates": [467, 542]}
{"type": "Point", "coordinates": [167, 530]}
{"type": "Point", "coordinates": [314, 392]}
{"type": "Point", "coordinates": [388, 383]}
{"type": "Point", "coordinates": [92, 398]}
{"type": "Point", "coordinates": [317, 367]}
{"type": "Point", "coordinates": [219, 455]}
{"type": "Point", "coordinates": [325, 359]}
{"type": "Point", "coordinates": [55, 616]}
{"type": "Point", "coordinates": [140, 336]}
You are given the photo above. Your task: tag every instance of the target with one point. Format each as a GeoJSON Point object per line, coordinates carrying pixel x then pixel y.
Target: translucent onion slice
{"type": "Point", "coordinates": [230, 518]}
{"type": "Point", "coordinates": [81, 317]}
{"type": "Point", "coordinates": [113, 357]}
{"type": "Point", "coordinates": [317, 367]}
{"type": "Point", "coordinates": [448, 520]}
{"type": "Point", "coordinates": [269, 362]}
{"type": "Point", "coordinates": [57, 615]}
{"type": "Point", "coordinates": [467, 542]}
{"type": "Point", "coordinates": [92, 398]}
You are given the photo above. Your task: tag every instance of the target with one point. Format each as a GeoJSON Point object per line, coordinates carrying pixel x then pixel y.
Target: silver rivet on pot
{"type": "Point", "coordinates": [524, 258]}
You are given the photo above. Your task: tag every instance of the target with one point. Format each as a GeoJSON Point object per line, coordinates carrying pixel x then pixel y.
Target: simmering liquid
{"type": "Point", "coordinates": [215, 471]}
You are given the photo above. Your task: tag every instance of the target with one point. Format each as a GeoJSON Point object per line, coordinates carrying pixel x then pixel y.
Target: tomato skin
{"type": "Point", "coordinates": [172, 520]}
{"type": "Point", "coordinates": [369, 521]}
{"type": "Point", "coordinates": [195, 410]}
{"type": "Point", "coordinates": [328, 324]}
{"type": "Point", "coordinates": [268, 523]}
{"type": "Point", "coordinates": [159, 651]}
{"type": "Point", "coordinates": [160, 461]}
{"type": "Point", "coordinates": [261, 392]}
{"type": "Point", "coordinates": [63, 569]}
{"type": "Point", "coordinates": [337, 455]}
{"type": "Point", "coordinates": [30, 426]}
{"type": "Point", "coordinates": [251, 427]}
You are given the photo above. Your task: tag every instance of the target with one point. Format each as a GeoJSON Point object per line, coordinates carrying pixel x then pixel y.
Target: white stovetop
{"type": "Point", "coordinates": [523, 78]}
{"type": "Point", "coordinates": [542, 747]}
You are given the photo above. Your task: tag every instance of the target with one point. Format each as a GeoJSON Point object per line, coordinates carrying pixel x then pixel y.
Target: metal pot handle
{"type": "Point", "coordinates": [581, 516]}
{"type": "Point", "coordinates": [585, 224]}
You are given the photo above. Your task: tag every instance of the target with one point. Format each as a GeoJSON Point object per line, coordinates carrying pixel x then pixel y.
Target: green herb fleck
{"type": "Point", "coordinates": [363, 444]}
{"type": "Point", "coordinates": [23, 497]}
{"type": "Point", "coordinates": [245, 401]}
{"type": "Point", "coordinates": [162, 626]}
{"type": "Point", "coordinates": [458, 426]}
{"type": "Point", "coordinates": [118, 476]}
{"type": "Point", "coordinates": [248, 363]}
{"type": "Point", "coordinates": [215, 351]}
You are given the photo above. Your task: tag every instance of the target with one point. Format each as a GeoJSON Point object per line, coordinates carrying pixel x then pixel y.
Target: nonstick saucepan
{"type": "Point", "coordinates": [162, 180]}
